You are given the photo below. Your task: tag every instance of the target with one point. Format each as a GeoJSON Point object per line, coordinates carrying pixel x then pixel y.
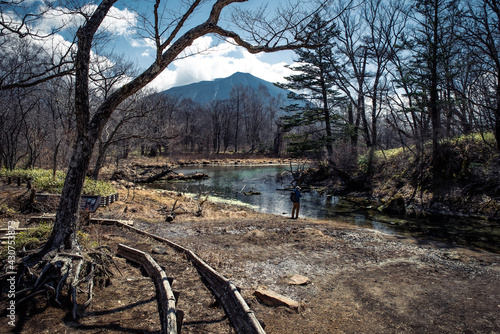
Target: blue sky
{"type": "Point", "coordinates": [222, 60]}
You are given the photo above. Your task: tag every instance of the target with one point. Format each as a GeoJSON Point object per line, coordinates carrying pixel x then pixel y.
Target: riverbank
{"type": "Point", "coordinates": [205, 159]}
{"type": "Point", "coordinates": [361, 281]}
{"type": "Point", "coordinates": [233, 183]}
{"type": "Point", "coordinates": [470, 186]}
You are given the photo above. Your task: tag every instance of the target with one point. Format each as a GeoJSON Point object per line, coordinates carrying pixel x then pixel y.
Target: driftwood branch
{"type": "Point", "coordinates": [171, 215]}
{"type": "Point", "coordinates": [297, 174]}
{"type": "Point", "coordinates": [170, 175]}
{"type": "Point", "coordinates": [155, 177]}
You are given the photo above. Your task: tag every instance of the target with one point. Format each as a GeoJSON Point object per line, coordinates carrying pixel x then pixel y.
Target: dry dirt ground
{"type": "Point", "coordinates": [362, 281]}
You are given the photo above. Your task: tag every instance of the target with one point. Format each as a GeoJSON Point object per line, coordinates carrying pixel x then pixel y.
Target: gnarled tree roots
{"type": "Point", "coordinates": [77, 270]}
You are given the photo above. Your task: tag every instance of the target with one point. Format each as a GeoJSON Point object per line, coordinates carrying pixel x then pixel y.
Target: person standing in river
{"type": "Point", "coordinates": [295, 198]}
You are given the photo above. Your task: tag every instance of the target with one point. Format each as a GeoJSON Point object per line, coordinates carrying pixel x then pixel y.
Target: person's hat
{"type": "Point", "coordinates": [297, 187]}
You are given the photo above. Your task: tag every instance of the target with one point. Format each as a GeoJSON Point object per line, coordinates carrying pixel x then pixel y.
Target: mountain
{"type": "Point", "coordinates": [219, 89]}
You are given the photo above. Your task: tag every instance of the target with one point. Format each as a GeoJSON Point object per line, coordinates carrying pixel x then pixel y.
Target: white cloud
{"type": "Point", "coordinates": [118, 22]}
{"type": "Point", "coordinates": [219, 62]}
{"type": "Point", "coordinates": [204, 60]}
{"type": "Point", "coordinates": [142, 43]}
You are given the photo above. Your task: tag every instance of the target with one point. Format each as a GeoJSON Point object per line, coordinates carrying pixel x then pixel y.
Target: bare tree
{"type": "Point", "coordinates": [216, 111]}
{"type": "Point", "coordinates": [14, 125]}
{"type": "Point", "coordinates": [190, 122]}
{"type": "Point", "coordinates": [253, 119]}
{"type": "Point", "coordinates": [351, 72]}
{"type": "Point", "coordinates": [119, 128]}
{"type": "Point", "coordinates": [58, 100]}
{"type": "Point", "coordinates": [433, 34]}
{"type": "Point", "coordinates": [237, 96]}
{"type": "Point", "coordinates": [274, 125]}
{"type": "Point", "coordinates": [36, 133]}
{"type": "Point", "coordinates": [482, 32]}
{"type": "Point", "coordinates": [171, 40]}
{"type": "Point", "coordinates": [25, 58]}
{"type": "Point", "coordinates": [384, 29]}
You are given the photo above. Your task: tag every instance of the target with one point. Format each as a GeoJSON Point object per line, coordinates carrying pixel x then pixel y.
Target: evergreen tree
{"type": "Point", "coordinates": [432, 45]}
{"type": "Point", "coordinates": [316, 96]}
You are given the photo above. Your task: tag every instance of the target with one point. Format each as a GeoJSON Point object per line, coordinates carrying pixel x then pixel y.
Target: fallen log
{"type": "Point", "coordinates": [238, 311]}
{"type": "Point", "coordinates": [166, 298]}
{"type": "Point", "coordinates": [155, 177]}
{"type": "Point", "coordinates": [182, 177]}
{"type": "Point", "coordinates": [170, 175]}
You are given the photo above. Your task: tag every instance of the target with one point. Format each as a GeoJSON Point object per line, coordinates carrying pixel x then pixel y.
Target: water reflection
{"type": "Point", "coordinates": [272, 182]}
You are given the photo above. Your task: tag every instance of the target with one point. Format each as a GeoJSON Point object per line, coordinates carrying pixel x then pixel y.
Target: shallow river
{"type": "Point", "coordinates": [271, 182]}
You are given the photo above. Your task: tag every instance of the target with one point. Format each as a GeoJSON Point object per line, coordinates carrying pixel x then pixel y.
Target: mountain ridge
{"type": "Point", "coordinates": [219, 89]}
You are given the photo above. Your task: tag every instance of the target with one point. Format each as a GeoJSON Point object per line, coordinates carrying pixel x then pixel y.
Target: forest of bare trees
{"type": "Point", "coordinates": [393, 73]}
{"type": "Point", "coordinates": [400, 74]}
{"type": "Point", "coordinates": [38, 131]}
{"type": "Point", "coordinates": [246, 122]}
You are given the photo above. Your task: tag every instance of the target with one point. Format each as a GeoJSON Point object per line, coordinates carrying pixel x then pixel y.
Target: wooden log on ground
{"type": "Point", "coordinates": [155, 177]}
{"type": "Point", "coordinates": [165, 295]}
{"type": "Point", "coordinates": [105, 221]}
{"type": "Point", "coordinates": [238, 311]}
{"type": "Point", "coordinates": [272, 298]}
{"type": "Point", "coordinates": [47, 218]}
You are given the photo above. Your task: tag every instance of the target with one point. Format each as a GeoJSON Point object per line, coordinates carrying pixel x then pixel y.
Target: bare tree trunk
{"type": "Point", "coordinates": [237, 127]}
{"type": "Point", "coordinates": [101, 156]}
{"type": "Point", "coordinates": [497, 116]}
{"type": "Point", "coordinates": [65, 227]}
{"type": "Point", "coordinates": [328, 125]}
{"type": "Point", "coordinates": [433, 103]}
{"type": "Point", "coordinates": [54, 159]}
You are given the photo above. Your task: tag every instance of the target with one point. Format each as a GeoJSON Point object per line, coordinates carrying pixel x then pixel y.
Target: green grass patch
{"type": "Point", "coordinates": [44, 180]}
{"type": "Point", "coordinates": [389, 155]}
{"type": "Point", "coordinates": [93, 187]}
{"type": "Point", "coordinates": [475, 138]}
{"type": "Point", "coordinates": [30, 239]}
{"type": "Point", "coordinates": [7, 211]}
{"type": "Point", "coordinates": [475, 141]}
{"type": "Point", "coordinates": [37, 236]}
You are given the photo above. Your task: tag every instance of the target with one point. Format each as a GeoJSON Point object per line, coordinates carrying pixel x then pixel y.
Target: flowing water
{"type": "Point", "coordinates": [266, 188]}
